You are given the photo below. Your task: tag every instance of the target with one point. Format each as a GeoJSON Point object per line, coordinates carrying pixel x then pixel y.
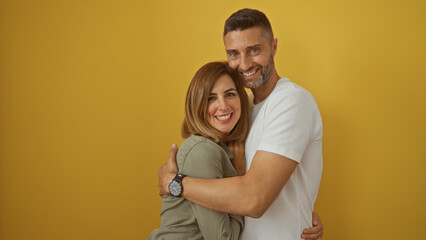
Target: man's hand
{"type": "Point", "coordinates": [316, 231]}
{"type": "Point", "coordinates": [167, 172]}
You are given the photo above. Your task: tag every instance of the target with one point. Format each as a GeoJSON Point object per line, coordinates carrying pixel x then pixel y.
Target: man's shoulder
{"type": "Point", "coordinates": [285, 85]}
{"type": "Point", "coordinates": [285, 91]}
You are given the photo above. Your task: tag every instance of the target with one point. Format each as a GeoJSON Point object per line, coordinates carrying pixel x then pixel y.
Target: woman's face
{"type": "Point", "coordinates": [224, 106]}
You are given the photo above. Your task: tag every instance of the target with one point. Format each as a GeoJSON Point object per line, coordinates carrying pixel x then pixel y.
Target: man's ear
{"type": "Point", "coordinates": [274, 46]}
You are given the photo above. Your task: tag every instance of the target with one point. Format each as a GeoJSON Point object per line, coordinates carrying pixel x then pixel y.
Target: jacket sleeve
{"type": "Point", "coordinates": [205, 160]}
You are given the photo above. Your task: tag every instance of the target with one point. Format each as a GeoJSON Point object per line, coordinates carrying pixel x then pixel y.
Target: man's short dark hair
{"type": "Point", "coordinates": [248, 18]}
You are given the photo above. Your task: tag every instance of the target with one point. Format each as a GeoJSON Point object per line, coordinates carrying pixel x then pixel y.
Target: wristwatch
{"type": "Point", "coordinates": [175, 187]}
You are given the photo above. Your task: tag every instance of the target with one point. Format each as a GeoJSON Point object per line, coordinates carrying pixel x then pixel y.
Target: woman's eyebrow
{"type": "Point", "coordinates": [231, 89]}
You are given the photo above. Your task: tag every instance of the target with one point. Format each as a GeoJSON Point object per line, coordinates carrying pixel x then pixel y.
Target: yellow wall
{"type": "Point", "coordinates": [92, 93]}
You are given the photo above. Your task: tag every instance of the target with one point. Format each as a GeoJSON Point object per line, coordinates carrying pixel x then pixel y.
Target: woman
{"type": "Point", "coordinates": [216, 114]}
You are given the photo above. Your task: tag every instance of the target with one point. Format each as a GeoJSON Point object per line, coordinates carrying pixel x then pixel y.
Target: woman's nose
{"type": "Point", "coordinates": [222, 105]}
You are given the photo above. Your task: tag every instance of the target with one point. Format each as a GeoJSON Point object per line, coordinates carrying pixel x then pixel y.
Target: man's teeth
{"type": "Point", "coordinates": [224, 117]}
{"type": "Point", "coordinates": [249, 73]}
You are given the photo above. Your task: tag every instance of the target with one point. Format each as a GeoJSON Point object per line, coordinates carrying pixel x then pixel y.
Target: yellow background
{"type": "Point", "coordinates": [92, 97]}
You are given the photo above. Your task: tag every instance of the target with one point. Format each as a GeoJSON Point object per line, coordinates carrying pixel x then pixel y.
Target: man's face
{"type": "Point", "coordinates": [252, 54]}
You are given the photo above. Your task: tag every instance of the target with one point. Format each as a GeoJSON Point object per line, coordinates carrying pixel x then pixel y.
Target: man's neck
{"type": "Point", "coordinates": [262, 92]}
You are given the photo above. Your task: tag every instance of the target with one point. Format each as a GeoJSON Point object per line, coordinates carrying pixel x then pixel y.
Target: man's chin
{"type": "Point", "coordinates": [252, 84]}
{"type": "Point", "coordinates": [249, 85]}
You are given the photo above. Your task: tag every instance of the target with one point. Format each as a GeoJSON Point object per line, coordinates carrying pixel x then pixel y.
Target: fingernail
{"type": "Point", "coordinates": [174, 145]}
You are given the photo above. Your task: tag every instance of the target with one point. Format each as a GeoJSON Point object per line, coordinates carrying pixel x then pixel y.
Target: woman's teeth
{"type": "Point", "coordinates": [225, 117]}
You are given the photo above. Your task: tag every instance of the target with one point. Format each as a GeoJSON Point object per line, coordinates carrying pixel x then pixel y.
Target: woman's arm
{"type": "Point", "coordinates": [208, 160]}
{"type": "Point", "coordinates": [217, 225]}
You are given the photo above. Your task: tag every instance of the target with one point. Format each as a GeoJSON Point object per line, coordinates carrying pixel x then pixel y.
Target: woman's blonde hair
{"type": "Point", "coordinates": [199, 90]}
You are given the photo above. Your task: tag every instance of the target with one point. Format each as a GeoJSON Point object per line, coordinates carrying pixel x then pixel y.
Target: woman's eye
{"type": "Point", "coordinates": [230, 94]}
{"type": "Point", "coordinates": [211, 99]}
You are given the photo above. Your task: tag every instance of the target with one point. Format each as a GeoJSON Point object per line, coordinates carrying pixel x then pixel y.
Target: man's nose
{"type": "Point", "coordinates": [245, 63]}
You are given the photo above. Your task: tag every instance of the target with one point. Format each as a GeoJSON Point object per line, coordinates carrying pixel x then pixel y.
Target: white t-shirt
{"type": "Point", "coordinates": [287, 123]}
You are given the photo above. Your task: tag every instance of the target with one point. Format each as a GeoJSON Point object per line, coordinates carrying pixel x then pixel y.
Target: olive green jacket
{"type": "Point", "coordinates": [181, 219]}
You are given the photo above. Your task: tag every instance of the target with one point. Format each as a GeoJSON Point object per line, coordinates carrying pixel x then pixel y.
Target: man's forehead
{"type": "Point", "coordinates": [241, 39]}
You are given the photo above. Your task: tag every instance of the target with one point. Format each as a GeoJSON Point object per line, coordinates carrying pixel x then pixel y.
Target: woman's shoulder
{"type": "Point", "coordinates": [201, 157]}
{"type": "Point", "coordinates": [196, 142]}
{"type": "Point", "coordinates": [199, 148]}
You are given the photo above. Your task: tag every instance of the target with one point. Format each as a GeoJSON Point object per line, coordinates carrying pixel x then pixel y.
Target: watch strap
{"type": "Point", "coordinates": [179, 177]}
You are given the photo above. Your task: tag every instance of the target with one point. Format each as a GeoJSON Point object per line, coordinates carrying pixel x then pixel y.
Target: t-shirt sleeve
{"type": "Point", "coordinates": [288, 126]}
{"type": "Point", "coordinates": [205, 160]}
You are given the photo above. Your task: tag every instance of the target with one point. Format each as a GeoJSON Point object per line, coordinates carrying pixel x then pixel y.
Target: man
{"type": "Point", "coordinates": [283, 149]}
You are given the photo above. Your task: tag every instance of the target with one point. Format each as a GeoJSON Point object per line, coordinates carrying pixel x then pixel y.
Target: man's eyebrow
{"type": "Point", "coordinates": [254, 46]}
{"type": "Point", "coordinates": [231, 50]}
{"type": "Point", "coordinates": [248, 47]}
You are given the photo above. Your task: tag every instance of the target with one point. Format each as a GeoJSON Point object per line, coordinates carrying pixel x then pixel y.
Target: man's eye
{"type": "Point", "coordinates": [255, 50]}
{"type": "Point", "coordinates": [232, 54]}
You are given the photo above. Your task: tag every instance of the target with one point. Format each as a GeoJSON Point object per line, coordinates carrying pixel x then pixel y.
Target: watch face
{"type": "Point", "coordinates": [175, 188]}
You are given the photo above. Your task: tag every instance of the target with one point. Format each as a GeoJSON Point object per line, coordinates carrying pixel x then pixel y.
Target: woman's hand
{"type": "Point", "coordinates": [317, 229]}
{"type": "Point", "coordinates": [239, 161]}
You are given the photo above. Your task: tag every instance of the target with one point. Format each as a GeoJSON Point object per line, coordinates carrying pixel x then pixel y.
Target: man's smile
{"type": "Point", "coordinates": [249, 74]}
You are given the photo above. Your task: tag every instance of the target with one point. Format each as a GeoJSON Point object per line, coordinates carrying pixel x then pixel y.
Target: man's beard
{"type": "Point", "coordinates": [264, 77]}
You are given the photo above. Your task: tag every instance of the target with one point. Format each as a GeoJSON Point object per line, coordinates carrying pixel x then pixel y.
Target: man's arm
{"type": "Point", "coordinates": [167, 172]}
{"type": "Point", "coordinates": [248, 195]}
